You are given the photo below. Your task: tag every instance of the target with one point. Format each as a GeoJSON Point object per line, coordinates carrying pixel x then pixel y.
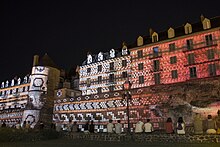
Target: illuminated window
{"type": "Point", "coordinates": [99, 68]}
{"type": "Point", "coordinates": [189, 44]}
{"type": "Point", "coordinates": [191, 59]}
{"type": "Point", "coordinates": [99, 90]}
{"type": "Point", "coordinates": [173, 60]}
{"type": "Point", "coordinates": [111, 78]}
{"type": "Point", "coordinates": [140, 66]}
{"type": "Point", "coordinates": [192, 71]}
{"type": "Point", "coordinates": [206, 24]}
{"type": "Point", "coordinates": [141, 79]}
{"type": "Point", "coordinates": [154, 37]}
{"type": "Point", "coordinates": [124, 63]}
{"type": "Point", "coordinates": [88, 70]}
{"type": "Point", "coordinates": [88, 82]}
{"type": "Point", "coordinates": [172, 47]}
{"type": "Point", "coordinates": [174, 74]}
{"type": "Point", "coordinates": [140, 41]}
{"type": "Point", "coordinates": [112, 66]}
{"type": "Point", "coordinates": [157, 78]}
{"type": "Point", "coordinates": [212, 70]}
{"type": "Point", "coordinates": [208, 39]}
{"type": "Point", "coordinates": [156, 64]}
{"type": "Point", "coordinates": [171, 33]}
{"type": "Point", "coordinates": [111, 88]}
{"type": "Point", "coordinates": [210, 54]}
{"type": "Point", "coordinates": [124, 74]}
{"type": "Point", "coordinates": [155, 51]}
{"type": "Point", "coordinates": [188, 28]}
{"type": "Point", "coordinates": [140, 53]}
{"type": "Point", "coordinates": [99, 79]}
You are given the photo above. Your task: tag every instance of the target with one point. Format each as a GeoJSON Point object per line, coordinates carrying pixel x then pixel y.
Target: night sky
{"type": "Point", "coordinates": [67, 30]}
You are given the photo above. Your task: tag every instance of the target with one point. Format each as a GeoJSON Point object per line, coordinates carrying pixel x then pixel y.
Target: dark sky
{"type": "Point", "coordinates": [66, 30]}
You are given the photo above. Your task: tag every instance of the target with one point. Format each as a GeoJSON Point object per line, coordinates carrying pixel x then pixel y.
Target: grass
{"type": "Point", "coordinates": [82, 143]}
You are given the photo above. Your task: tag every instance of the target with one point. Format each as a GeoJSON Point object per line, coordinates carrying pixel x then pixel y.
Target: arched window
{"type": "Point", "coordinates": [206, 24]}
{"type": "Point", "coordinates": [140, 41]}
{"type": "Point", "coordinates": [89, 59]}
{"type": "Point", "coordinates": [171, 33]}
{"type": "Point", "coordinates": [154, 37]}
{"type": "Point", "coordinates": [188, 28]}
{"type": "Point", "coordinates": [100, 56]}
{"type": "Point", "coordinates": [112, 53]}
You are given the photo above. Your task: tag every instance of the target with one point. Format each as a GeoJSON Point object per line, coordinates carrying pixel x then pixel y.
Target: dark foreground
{"type": "Point", "coordinates": [85, 143]}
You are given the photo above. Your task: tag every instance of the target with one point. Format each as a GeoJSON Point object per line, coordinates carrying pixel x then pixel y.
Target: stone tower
{"type": "Point", "coordinates": [44, 79]}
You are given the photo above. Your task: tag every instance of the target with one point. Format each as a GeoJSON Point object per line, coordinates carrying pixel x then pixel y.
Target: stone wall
{"type": "Point", "coordinates": [188, 138]}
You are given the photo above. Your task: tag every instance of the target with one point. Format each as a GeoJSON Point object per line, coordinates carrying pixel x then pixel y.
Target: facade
{"type": "Point", "coordinates": [30, 99]}
{"type": "Point", "coordinates": [173, 73]}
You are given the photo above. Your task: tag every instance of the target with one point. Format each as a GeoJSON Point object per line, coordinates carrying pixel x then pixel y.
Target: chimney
{"type": "Point", "coordinates": [202, 18]}
{"type": "Point", "coordinates": [151, 31]}
{"type": "Point", "coordinates": [36, 60]}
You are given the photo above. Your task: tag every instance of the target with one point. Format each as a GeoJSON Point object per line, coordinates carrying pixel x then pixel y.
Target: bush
{"type": "Point", "coordinates": [11, 135]}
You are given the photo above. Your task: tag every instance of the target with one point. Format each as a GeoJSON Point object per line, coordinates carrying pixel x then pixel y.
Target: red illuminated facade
{"type": "Point", "coordinates": [171, 73]}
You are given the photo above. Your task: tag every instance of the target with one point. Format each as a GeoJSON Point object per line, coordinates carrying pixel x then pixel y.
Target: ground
{"type": "Point", "coordinates": [80, 143]}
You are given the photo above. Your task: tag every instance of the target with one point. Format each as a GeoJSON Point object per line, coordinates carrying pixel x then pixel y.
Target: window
{"type": "Point", "coordinates": [173, 60]}
{"type": "Point", "coordinates": [99, 79]}
{"type": "Point", "coordinates": [112, 66]}
{"type": "Point", "coordinates": [206, 24]}
{"type": "Point", "coordinates": [111, 88]}
{"type": "Point", "coordinates": [154, 37]}
{"type": "Point", "coordinates": [124, 63]}
{"type": "Point", "coordinates": [189, 44]}
{"type": "Point", "coordinates": [210, 54]}
{"type": "Point", "coordinates": [174, 74]}
{"type": "Point", "coordinates": [191, 59]}
{"type": "Point", "coordinates": [124, 74]}
{"type": "Point", "coordinates": [172, 47]}
{"type": "Point", "coordinates": [157, 78]}
{"type": "Point", "coordinates": [140, 53]}
{"type": "Point", "coordinates": [99, 68]}
{"type": "Point", "coordinates": [141, 79]}
{"type": "Point", "coordinates": [156, 65]}
{"type": "Point", "coordinates": [212, 70]}
{"type": "Point", "coordinates": [111, 78]}
{"type": "Point", "coordinates": [188, 28]}
{"type": "Point", "coordinates": [140, 41]}
{"type": "Point", "coordinates": [192, 71]}
{"type": "Point", "coordinates": [88, 82]}
{"type": "Point", "coordinates": [99, 90]}
{"type": "Point", "coordinates": [140, 66]}
{"type": "Point", "coordinates": [88, 70]}
{"type": "Point", "coordinates": [155, 52]}
{"type": "Point", "coordinates": [171, 33]}
{"type": "Point", "coordinates": [208, 39]}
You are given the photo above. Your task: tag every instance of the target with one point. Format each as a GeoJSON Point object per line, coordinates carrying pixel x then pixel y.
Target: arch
{"type": "Point", "coordinates": [171, 33]}
{"type": "Point", "coordinates": [140, 41]}
{"type": "Point", "coordinates": [188, 28]}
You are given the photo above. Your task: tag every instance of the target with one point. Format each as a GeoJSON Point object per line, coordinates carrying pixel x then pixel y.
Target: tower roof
{"type": "Point", "coordinates": [47, 61]}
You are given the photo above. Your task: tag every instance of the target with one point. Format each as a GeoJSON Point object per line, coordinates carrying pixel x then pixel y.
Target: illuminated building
{"type": "Point", "coordinates": [164, 68]}
{"type": "Point", "coordinates": [30, 99]}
